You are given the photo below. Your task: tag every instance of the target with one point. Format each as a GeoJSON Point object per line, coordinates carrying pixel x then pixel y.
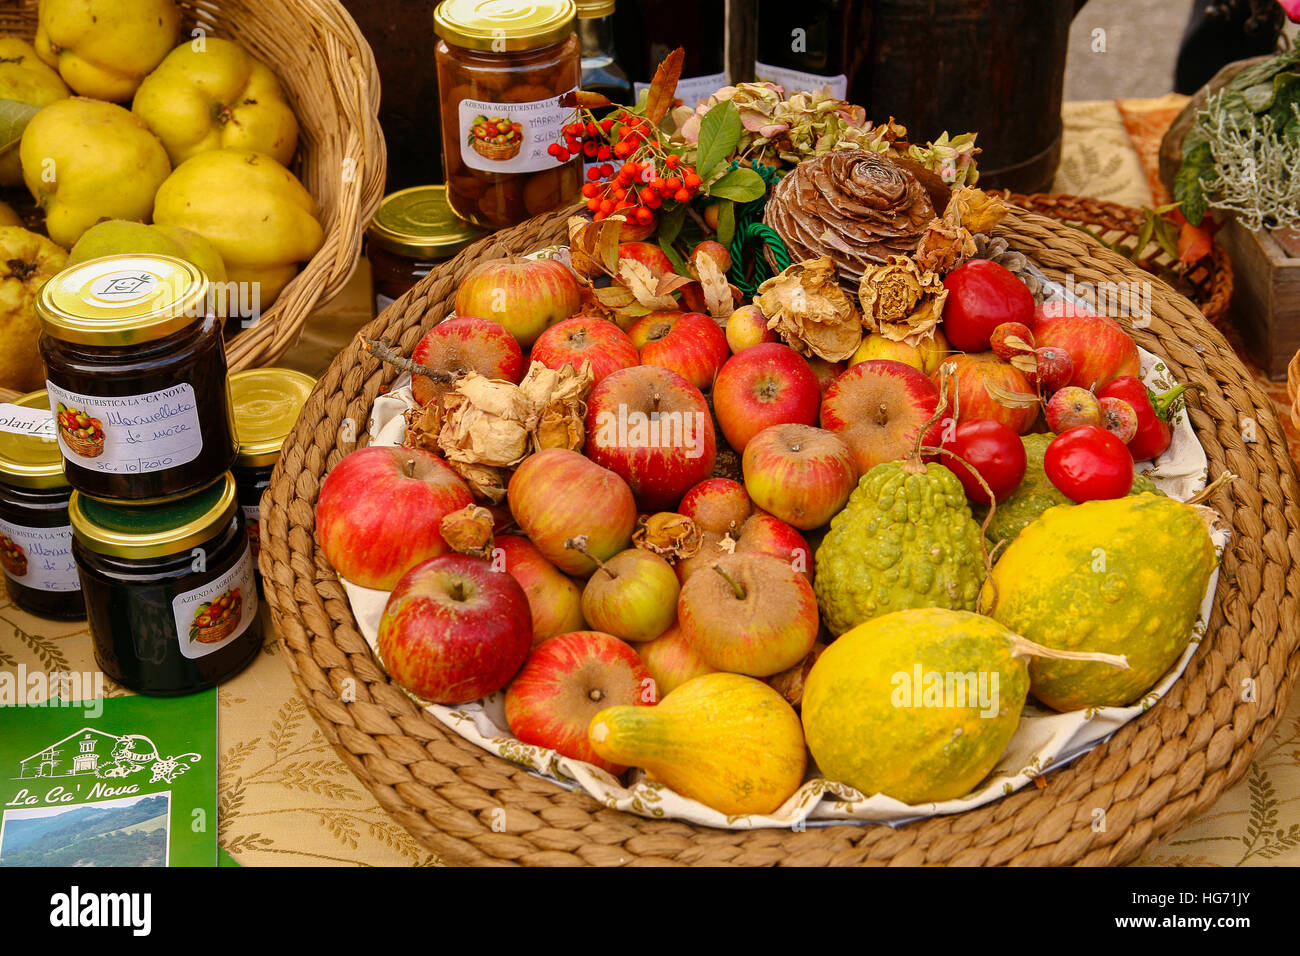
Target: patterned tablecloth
{"type": "Point", "coordinates": [287, 799]}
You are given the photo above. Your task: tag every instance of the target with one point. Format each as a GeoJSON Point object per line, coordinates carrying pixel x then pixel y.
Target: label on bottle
{"type": "Point", "coordinates": [511, 137]}
{"type": "Point", "coordinates": [692, 89]}
{"type": "Point", "coordinates": [210, 617]}
{"type": "Point", "coordinates": [253, 525]}
{"type": "Point", "coordinates": [39, 558]}
{"type": "Point", "coordinates": [130, 434]}
{"type": "Point", "coordinates": [21, 420]}
{"type": "Point", "coordinates": [797, 81]}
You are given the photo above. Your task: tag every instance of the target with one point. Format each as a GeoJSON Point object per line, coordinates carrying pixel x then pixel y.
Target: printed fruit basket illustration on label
{"type": "Point", "coordinates": [80, 432]}
{"type": "Point", "coordinates": [12, 557]}
{"type": "Point", "coordinates": [215, 620]}
{"type": "Point", "coordinates": [496, 137]}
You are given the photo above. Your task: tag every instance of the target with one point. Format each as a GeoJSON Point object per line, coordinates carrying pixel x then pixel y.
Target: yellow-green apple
{"type": "Point", "coordinates": [981, 296]}
{"type": "Point", "coordinates": [671, 660]}
{"type": "Point", "coordinates": [379, 512]}
{"type": "Point", "coordinates": [766, 385]}
{"type": "Point", "coordinates": [1071, 407]}
{"type": "Point", "coordinates": [557, 494]}
{"type": "Point", "coordinates": [633, 596]}
{"type": "Point", "coordinates": [465, 344]}
{"type": "Point", "coordinates": [553, 598]}
{"type": "Point", "coordinates": [876, 346]}
{"type": "Point", "coordinates": [983, 386]}
{"type": "Point", "coordinates": [761, 533]}
{"type": "Point", "coordinates": [800, 474]}
{"type": "Point", "coordinates": [454, 630]}
{"type": "Point", "coordinates": [825, 371]}
{"type": "Point", "coordinates": [527, 296]}
{"type": "Point", "coordinates": [878, 408]}
{"type": "Point", "coordinates": [565, 682]}
{"type": "Point", "coordinates": [747, 327]}
{"type": "Point", "coordinates": [688, 343]}
{"type": "Point", "coordinates": [717, 504]}
{"type": "Point", "coordinates": [1099, 347]}
{"type": "Point", "coordinates": [653, 428]}
{"type": "Point", "coordinates": [584, 338]}
{"type": "Point", "coordinates": [933, 351]}
{"type": "Point", "coordinates": [749, 614]}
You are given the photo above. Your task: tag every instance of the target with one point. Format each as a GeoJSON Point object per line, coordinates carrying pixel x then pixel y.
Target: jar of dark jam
{"type": "Point", "coordinates": [169, 589]}
{"type": "Point", "coordinates": [266, 402]}
{"type": "Point", "coordinates": [137, 377]}
{"type": "Point", "coordinates": [413, 231]}
{"type": "Point", "coordinates": [35, 536]}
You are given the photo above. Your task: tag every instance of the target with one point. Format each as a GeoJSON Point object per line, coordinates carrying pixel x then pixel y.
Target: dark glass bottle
{"type": "Point", "coordinates": [811, 45]}
{"type": "Point", "coordinates": [601, 71]}
{"type": "Point", "coordinates": [646, 31]}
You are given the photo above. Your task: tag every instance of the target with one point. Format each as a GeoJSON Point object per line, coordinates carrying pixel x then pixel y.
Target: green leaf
{"type": "Point", "coordinates": [1144, 235]}
{"type": "Point", "coordinates": [670, 223]}
{"type": "Point", "coordinates": [740, 185]}
{"type": "Point", "coordinates": [14, 117]}
{"type": "Point", "coordinates": [726, 222]}
{"type": "Point", "coordinates": [1167, 237]}
{"type": "Point", "coordinates": [675, 257]}
{"type": "Point", "coordinates": [1197, 165]}
{"type": "Point", "coordinates": [720, 133]}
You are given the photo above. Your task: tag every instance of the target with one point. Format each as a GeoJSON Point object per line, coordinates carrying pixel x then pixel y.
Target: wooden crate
{"type": "Point", "coordinates": [1265, 305]}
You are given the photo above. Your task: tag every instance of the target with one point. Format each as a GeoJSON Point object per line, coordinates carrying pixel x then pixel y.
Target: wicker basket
{"type": "Point", "coordinates": [1157, 771]}
{"type": "Point", "coordinates": [1208, 284]}
{"type": "Point", "coordinates": [497, 151]}
{"type": "Point", "coordinates": [85, 447]}
{"type": "Point", "coordinates": [16, 567]}
{"type": "Point", "coordinates": [216, 633]}
{"type": "Point", "coordinates": [329, 76]}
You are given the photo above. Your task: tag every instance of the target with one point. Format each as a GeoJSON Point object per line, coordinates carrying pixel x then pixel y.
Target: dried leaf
{"type": "Point", "coordinates": [1004, 396]}
{"type": "Point", "coordinates": [670, 282]}
{"type": "Point", "coordinates": [717, 291]}
{"type": "Point", "coordinates": [587, 99]}
{"type": "Point", "coordinates": [485, 481]}
{"type": "Point", "coordinates": [790, 683]}
{"type": "Point", "coordinates": [670, 535]}
{"type": "Point", "coordinates": [593, 246]}
{"type": "Point", "coordinates": [469, 531]}
{"type": "Point", "coordinates": [423, 424]}
{"type": "Point", "coordinates": [663, 87]}
{"type": "Point", "coordinates": [643, 285]}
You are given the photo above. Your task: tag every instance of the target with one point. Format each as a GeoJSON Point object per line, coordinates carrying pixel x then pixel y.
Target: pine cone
{"type": "Point", "coordinates": [997, 250]}
{"type": "Point", "coordinates": [852, 205]}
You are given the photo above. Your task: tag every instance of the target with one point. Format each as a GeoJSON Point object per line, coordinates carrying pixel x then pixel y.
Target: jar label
{"type": "Point", "coordinates": [210, 617]}
{"type": "Point", "coordinates": [797, 81]}
{"type": "Point", "coordinates": [253, 525]}
{"type": "Point", "coordinates": [39, 558]}
{"type": "Point", "coordinates": [692, 89]}
{"type": "Point", "coordinates": [128, 434]}
{"type": "Point", "coordinates": [511, 137]}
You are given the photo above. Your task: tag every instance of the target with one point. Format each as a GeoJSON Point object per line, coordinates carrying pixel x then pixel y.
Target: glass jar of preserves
{"type": "Point", "coordinates": [503, 67]}
{"type": "Point", "coordinates": [266, 402]}
{"type": "Point", "coordinates": [137, 377]}
{"type": "Point", "coordinates": [412, 232]}
{"type": "Point", "coordinates": [169, 589]}
{"type": "Point", "coordinates": [35, 536]}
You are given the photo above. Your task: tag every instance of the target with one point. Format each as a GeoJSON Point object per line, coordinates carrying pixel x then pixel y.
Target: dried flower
{"type": "Point", "coordinates": [469, 531]}
{"type": "Point", "coordinates": [558, 398]}
{"type": "Point", "coordinates": [810, 311]}
{"type": "Point", "coordinates": [486, 423]}
{"type": "Point", "coordinates": [669, 535]}
{"type": "Point", "coordinates": [901, 301]}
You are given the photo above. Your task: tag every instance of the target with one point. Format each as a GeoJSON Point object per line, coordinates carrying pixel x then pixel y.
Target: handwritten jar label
{"type": "Point", "coordinates": [210, 617]}
{"type": "Point", "coordinates": [128, 434]}
{"type": "Point", "coordinates": [39, 558]}
{"type": "Point", "coordinates": [511, 137]}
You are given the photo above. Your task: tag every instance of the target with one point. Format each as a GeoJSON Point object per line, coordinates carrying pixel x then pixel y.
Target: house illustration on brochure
{"type": "Point", "coordinates": [99, 754]}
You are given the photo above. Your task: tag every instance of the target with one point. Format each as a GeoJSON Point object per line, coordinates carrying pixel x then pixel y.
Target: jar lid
{"type": "Point", "coordinates": [266, 402]}
{"type": "Point", "coordinates": [126, 530]}
{"type": "Point", "coordinates": [591, 9]}
{"type": "Point", "coordinates": [503, 26]}
{"type": "Point", "coordinates": [31, 461]}
{"type": "Point", "coordinates": [419, 223]}
{"type": "Point", "coordinates": [122, 300]}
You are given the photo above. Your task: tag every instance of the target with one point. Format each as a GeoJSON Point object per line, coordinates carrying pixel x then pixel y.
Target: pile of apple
{"type": "Point", "coordinates": [620, 571]}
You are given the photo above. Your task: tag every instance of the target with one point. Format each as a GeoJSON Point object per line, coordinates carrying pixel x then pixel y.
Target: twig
{"type": "Point", "coordinates": [381, 350]}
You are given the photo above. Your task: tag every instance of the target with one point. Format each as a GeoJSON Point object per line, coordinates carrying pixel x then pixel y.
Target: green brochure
{"type": "Point", "coordinates": [124, 781]}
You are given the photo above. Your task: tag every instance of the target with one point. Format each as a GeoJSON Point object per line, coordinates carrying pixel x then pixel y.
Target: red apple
{"type": "Point", "coordinates": [715, 251]}
{"type": "Point", "coordinates": [802, 475]}
{"type": "Point", "coordinates": [826, 372]}
{"type": "Point", "coordinates": [582, 338]}
{"type": "Point", "coordinates": [454, 630]}
{"type": "Point", "coordinates": [1099, 347]}
{"type": "Point", "coordinates": [466, 344]}
{"type": "Point", "coordinates": [527, 296]}
{"type": "Point", "coordinates": [717, 504]}
{"type": "Point", "coordinates": [567, 681]}
{"type": "Point", "coordinates": [557, 494]}
{"type": "Point", "coordinates": [649, 255]}
{"type": "Point", "coordinates": [688, 343]}
{"type": "Point", "coordinates": [765, 385]}
{"type": "Point", "coordinates": [878, 408]}
{"type": "Point", "coordinates": [653, 428]}
{"type": "Point", "coordinates": [981, 296]}
{"type": "Point", "coordinates": [554, 600]}
{"type": "Point", "coordinates": [633, 596]}
{"type": "Point", "coordinates": [379, 512]}
{"type": "Point", "coordinates": [672, 661]}
{"type": "Point", "coordinates": [762, 533]}
{"type": "Point", "coordinates": [982, 387]}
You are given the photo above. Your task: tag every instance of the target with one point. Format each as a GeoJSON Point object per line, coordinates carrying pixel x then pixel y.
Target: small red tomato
{"type": "Point", "coordinates": [981, 296]}
{"type": "Point", "coordinates": [993, 450]}
{"type": "Point", "coordinates": [1088, 463]}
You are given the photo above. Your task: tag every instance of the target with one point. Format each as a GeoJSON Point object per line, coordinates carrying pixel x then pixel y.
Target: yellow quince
{"type": "Point", "coordinates": [26, 261]}
{"type": "Point", "coordinates": [23, 79]}
{"type": "Point", "coordinates": [104, 48]}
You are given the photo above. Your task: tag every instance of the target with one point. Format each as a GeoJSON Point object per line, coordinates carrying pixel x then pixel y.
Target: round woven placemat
{"type": "Point", "coordinates": [1157, 771]}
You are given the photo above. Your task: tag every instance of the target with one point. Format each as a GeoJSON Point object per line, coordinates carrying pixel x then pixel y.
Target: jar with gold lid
{"type": "Point", "coordinates": [169, 589]}
{"type": "Point", "coordinates": [503, 68]}
{"type": "Point", "coordinates": [266, 402]}
{"type": "Point", "coordinates": [412, 232]}
{"type": "Point", "coordinates": [136, 373]}
{"type": "Point", "coordinates": [35, 536]}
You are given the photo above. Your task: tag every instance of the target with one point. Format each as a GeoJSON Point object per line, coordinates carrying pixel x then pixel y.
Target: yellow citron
{"type": "Point", "coordinates": [728, 741]}
{"type": "Point", "coordinates": [104, 48]}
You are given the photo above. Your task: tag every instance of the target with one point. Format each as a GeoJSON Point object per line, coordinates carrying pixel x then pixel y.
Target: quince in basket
{"type": "Point", "coordinates": [120, 236]}
{"type": "Point", "coordinates": [24, 79]}
{"type": "Point", "coordinates": [104, 48]}
{"type": "Point", "coordinates": [26, 261]}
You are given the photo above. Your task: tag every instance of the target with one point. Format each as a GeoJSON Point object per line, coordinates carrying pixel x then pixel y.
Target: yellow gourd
{"type": "Point", "coordinates": [728, 741]}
